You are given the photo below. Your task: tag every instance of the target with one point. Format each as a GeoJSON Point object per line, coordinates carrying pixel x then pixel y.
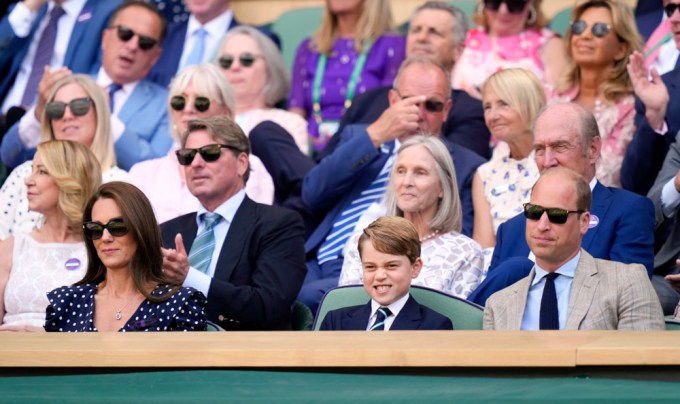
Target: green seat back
{"type": "Point", "coordinates": [463, 314]}
{"type": "Point", "coordinates": [293, 27]}
{"type": "Point", "coordinates": [560, 21]}
{"type": "Point", "coordinates": [672, 324]}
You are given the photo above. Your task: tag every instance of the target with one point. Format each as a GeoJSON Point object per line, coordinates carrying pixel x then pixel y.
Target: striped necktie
{"type": "Point", "coordinates": [549, 318]}
{"type": "Point", "coordinates": [344, 224]}
{"type": "Point", "coordinates": [380, 317]}
{"type": "Point", "coordinates": [198, 51]}
{"type": "Point", "coordinates": [204, 245]}
{"type": "Point", "coordinates": [43, 56]}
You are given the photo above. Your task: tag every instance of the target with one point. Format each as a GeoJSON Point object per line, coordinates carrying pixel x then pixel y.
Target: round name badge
{"type": "Point", "coordinates": [72, 264]}
{"type": "Point", "coordinates": [594, 221]}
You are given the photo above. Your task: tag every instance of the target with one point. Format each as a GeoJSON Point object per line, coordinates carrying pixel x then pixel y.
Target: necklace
{"type": "Point", "coordinates": [429, 236]}
{"type": "Point", "coordinates": [118, 314]}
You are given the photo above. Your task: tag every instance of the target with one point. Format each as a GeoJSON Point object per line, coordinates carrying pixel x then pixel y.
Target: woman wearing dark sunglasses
{"type": "Point", "coordinates": [601, 39]}
{"type": "Point", "coordinates": [510, 33]}
{"type": "Point", "coordinates": [354, 50]}
{"type": "Point", "coordinates": [124, 288]}
{"type": "Point", "coordinates": [64, 175]}
{"type": "Point", "coordinates": [254, 67]}
{"type": "Point", "coordinates": [198, 91]}
{"type": "Point", "coordinates": [76, 110]}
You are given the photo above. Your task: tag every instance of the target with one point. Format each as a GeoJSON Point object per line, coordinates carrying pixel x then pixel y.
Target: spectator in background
{"type": "Point", "coordinates": [510, 33]}
{"type": "Point", "coordinates": [63, 177]}
{"type": "Point", "coordinates": [354, 50]}
{"type": "Point", "coordinates": [77, 110]}
{"type": "Point", "coordinates": [198, 91]}
{"type": "Point", "coordinates": [601, 39]}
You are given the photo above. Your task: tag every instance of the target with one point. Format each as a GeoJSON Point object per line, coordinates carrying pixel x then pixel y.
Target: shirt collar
{"type": "Point", "coordinates": [227, 209]}
{"type": "Point", "coordinates": [568, 269]}
{"type": "Point", "coordinates": [71, 7]}
{"type": "Point", "coordinates": [395, 307]}
{"type": "Point", "coordinates": [215, 27]}
{"type": "Point", "coordinates": [104, 80]}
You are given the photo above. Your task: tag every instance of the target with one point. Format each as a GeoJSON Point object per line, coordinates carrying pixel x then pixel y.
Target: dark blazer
{"type": "Point", "coordinates": [259, 271]}
{"type": "Point", "coordinates": [83, 54]}
{"type": "Point", "coordinates": [646, 151]}
{"type": "Point", "coordinates": [624, 233]}
{"type": "Point", "coordinates": [648, 15]}
{"type": "Point", "coordinates": [412, 317]}
{"type": "Point", "coordinates": [464, 126]}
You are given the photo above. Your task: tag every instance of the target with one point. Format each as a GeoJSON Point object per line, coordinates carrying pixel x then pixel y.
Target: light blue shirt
{"type": "Point", "coordinates": [532, 310]}
{"type": "Point", "coordinates": [195, 278]}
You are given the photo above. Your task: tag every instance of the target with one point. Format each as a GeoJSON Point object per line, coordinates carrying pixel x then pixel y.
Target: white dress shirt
{"type": "Point", "coordinates": [395, 307]}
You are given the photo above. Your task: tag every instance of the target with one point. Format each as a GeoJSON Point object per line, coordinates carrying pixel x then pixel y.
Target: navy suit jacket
{"type": "Point", "coordinates": [83, 54]}
{"type": "Point", "coordinates": [260, 268]}
{"type": "Point", "coordinates": [647, 150]}
{"type": "Point", "coordinates": [339, 178]}
{"type": "Point", "coordinates": [648, 15]}
{"type": "Point", "coordinates": [624, 233]}
{"type": "Point", "coordinates": [146, 134]}
{"type": "Point", "coordinates": [412, 316]}
{"type": "Point", "coordinates": [464, 126]}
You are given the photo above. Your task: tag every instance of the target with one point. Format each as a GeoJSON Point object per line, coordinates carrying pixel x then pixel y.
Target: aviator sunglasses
{"type": "Point", "coordinates": [514, 6]}
{"type": "Point", "coordinates": [670, 8]}
{"type": "Point", "coordinates": [599, 29]}
{"type": "Point", "coordinates": [125, 34]}
{"type": "Point", "coordinates": [78, 106]}
{"type": "Point", "coordinates": [246, 59]}
{"type": "Point", "coordinates": [179, 102]}
{"type": "Point", "coordinates": [95, 230]}
{"type": "Point", "coordinates": [208, 153]}
{"type": "Point", "coordinates": [555, 215]}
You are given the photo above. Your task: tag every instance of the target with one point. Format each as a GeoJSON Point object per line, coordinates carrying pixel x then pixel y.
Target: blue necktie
{"type": "Point", "coordinates": [196, 55]}
{"type": "Point", "coordinates": [204, 245]}
{"type": "Point", "coordinates": [344, 224]}
{"type": "Point", "coordinates": [43, 56]}
{"type": "Point", "coordinates": [380, 317]}
{"type": "Point", "coordinates": [549, 318]}
{"type": "Point", "coordinates": [113, 88]}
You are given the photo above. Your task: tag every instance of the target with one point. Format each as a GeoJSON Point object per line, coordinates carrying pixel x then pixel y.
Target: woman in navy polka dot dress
{"type": "Point", "coordinates": [124, 288]}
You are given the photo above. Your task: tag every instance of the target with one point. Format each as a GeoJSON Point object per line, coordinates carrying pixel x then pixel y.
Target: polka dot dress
{"type": "Point", "coordinates": [71, 309]}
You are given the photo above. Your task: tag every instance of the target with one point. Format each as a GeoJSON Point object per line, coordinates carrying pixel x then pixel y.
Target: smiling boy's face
{"type": "Point", "coordinates": [387, 277]}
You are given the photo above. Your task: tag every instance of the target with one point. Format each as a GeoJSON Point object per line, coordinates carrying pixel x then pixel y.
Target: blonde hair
{"type": "Point", "coordinates": [539, 22]}
{"type": "Point", "coordinates": [102, 141]}
{"type": "Point", "coordinates": [521, 90]}
{"type": "Point", "coordinates": [617, 83]}
{"type": "Point", "coordinates": [375, 20]}
{"type": "Point", "coordinates": [77, 173]}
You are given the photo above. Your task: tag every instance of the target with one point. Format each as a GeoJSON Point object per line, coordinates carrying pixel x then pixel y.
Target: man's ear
{"type": "Point", "coordinates": [393, 97]}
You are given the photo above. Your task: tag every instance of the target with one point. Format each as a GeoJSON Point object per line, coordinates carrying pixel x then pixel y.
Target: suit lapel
{"type": "Point", "coordinates": [583, 290]}
{"type": "Point", "coordinates": [356, 320]}
{"type": "Point", "coordinates": [235, 243]}
{"type": "Point", "coordinates": [517, 301]}
{"type": "Point", "coordinates": [602, 200]}
{"type": "Point", "coordinates": [79, 29]}
{"type": "Point", "coordinates": [409, 317]}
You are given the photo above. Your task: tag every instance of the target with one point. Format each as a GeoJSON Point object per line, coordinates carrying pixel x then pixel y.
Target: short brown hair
{"type": "Point", "coordinates": [583, 194]}
{"type": "Point", "coordinates": [392, 235]}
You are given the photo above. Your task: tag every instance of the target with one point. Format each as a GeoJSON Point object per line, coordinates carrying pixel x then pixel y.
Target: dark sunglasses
{"type": "Point", "coordinates": [125, 34]}
{"type": "Point", "coordinates": [514, 6]}
{"type": "Point", "coordinates": [555, 215]}
{"type": "Point", "coordinates": [179, 102]}
{"type": "Point", "coordinates": [246, 59]}
{"type": "Point", "coordinates": [430, 105]}
{"type": "Point", "coordinates": [208, 153]}
{"type": "Point", "coordinates": [95, 230]}
{"type": "Point", "coordinates": [78, 106]}
{"type": "Point", "coordinates": [599, 29]}
{"type": "Point", "coordinates": [670, 8]}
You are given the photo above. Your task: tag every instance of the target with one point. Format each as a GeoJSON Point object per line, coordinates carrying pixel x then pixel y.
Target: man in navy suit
{"type": "Point", "coordinates": [246, 257]}
{"type": "Point", "coordinates": [621, 224]}
{"type": "Point", "coordinates": [139, 122]}
{"type": "Point", "coordinates": [76, 45]}
{"type": "Point", "coordinates": [390, 255]}
{"type": "Point", "coordinates": [419, 103]}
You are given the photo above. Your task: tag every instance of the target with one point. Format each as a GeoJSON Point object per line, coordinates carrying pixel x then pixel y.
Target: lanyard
{"type": "Point", "coordinates": [656, 46]}
{"type": "Point", "coordinates": [351, 85]}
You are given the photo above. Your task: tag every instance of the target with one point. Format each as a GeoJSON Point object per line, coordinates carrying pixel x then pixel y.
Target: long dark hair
{"type": "Point", "coordinates": [138, 216]}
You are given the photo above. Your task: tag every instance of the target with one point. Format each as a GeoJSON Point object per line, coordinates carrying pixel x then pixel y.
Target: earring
{"type": "Point", "coordinates": [533, 16]}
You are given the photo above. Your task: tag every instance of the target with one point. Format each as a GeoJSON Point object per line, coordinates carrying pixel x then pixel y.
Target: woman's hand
{"type": "Point", "coordinates": [176, 262]}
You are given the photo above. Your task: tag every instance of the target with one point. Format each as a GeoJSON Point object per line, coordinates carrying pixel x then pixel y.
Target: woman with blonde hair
{"type": "Point", "coordinates": [354, 50]}
{"type": "Point", "coordinates": [601, 39]}
{"type": "Point", "coordinates": [64, 175]}
{"type": "Point", "coordinates": [511, 100]}
{"type": "Point", "coordinates": [509, 33]}
{"type": "Point", "coordinates": [76, 110]}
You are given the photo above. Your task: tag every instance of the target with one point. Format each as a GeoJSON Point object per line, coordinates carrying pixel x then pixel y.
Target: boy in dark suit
{"type": "Point", "coordinates": [390, 254]}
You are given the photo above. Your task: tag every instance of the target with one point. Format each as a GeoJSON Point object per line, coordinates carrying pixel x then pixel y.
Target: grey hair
{"type": "Point", "coordinates": [421, 60]}
{"type": "Point", "coordinates": [585, 124]}
{"type": "Point", "coordinates": [278, 78]}
{"type": "Point", "coordinates": [449, 216]}
{"type": "Point", "coordinates": [460, 25]}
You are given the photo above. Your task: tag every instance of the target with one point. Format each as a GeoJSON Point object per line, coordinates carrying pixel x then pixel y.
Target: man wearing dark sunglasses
{"type": "Point", "coordinates": [246, 257]}
{"type": "Point", "coordinates": [568, 289]}
{"type": "Point", "coordinates": [621, 223]}
{"type": "Point", "coordinates": [130, 46]}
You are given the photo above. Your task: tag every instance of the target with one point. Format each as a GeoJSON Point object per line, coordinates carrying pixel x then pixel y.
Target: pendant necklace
{"type": "Point", "coordinates": [119, 314]}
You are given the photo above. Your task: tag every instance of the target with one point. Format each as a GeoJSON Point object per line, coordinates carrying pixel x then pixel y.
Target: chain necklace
{"type": "Point", "coordinates": [119, 314]}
